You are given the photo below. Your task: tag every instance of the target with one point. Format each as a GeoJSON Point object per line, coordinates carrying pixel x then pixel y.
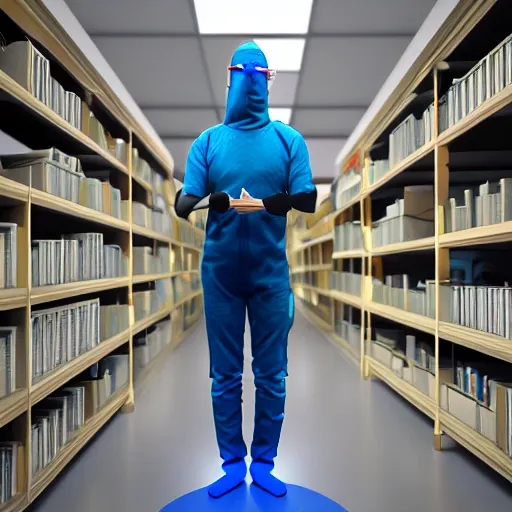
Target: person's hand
{"type": "Point", "coordinates": [246, 203]}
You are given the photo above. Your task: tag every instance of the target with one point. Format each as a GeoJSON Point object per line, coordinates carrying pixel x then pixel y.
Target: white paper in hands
{"type": "Point", "coordinates": [247, 203]}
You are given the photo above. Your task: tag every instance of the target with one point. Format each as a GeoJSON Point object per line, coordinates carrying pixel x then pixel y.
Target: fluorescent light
{"type": "Point", "coordinates": [253, 16]}
{"type": "Point", "coordinates": [283, 54]}
{"type": "Point", "coordinates": [280, 114]}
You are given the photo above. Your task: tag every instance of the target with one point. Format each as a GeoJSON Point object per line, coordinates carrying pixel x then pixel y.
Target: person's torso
{"type": "Point", "coordinates": [258, 161]}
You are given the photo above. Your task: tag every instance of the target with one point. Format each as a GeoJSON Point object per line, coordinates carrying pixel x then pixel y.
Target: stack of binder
{"type": "Point", "coordinates": [8, 255]}
{"type": "Point", "coordinates": [62, 333]}
{"type": "Point", "coordinates": [7, 360]}
{"type": "Point", "coordinates": [12, 463]}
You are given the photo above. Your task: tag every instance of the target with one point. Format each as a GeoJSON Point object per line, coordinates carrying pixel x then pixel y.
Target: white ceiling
{"type": "Point", "coordinates": [178, 77]}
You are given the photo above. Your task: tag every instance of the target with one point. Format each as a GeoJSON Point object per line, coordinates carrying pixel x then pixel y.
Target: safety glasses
{"type": "Point", "coordinates": [271, 73]}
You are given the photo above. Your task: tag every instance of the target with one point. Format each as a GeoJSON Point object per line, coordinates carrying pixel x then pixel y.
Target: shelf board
{"type": "Point", "coordinates": [190, 246]}
{"type": "Point", "coordinates": [58, 204]}
{"type": "Point", "coordinates": [486, 343]}
{"type": "Point", "coordinates": [150, 320]}
{"type": "Point", "coordinates": [91, 427]}
{"type": "Point", "coordinates": [353, 253]}
{"type": "Point", "coordinates": [188, 298]}
{"type": "Point", "coordinates": [146, 186]}
{"type": "Point", "coordinates": [311, 268]}
{"type": "Point", "coordinates": [413, 245]}
{"type": "Point", "coordinates": [149, 233]}
{"type": "Point", "coordinates": [42, 294]}
{"type": "Point", "coordinates": [12, 298]}
{"type": "Point", "coordinates": [347, 205]}
{"type": "Point", "coordinates": [183, 272]}
{"type": "Point", "coordinates": [481, 113]}
{"type": "Point", "coordinates": [422, 402]}
{"type": "Point", "coordinates": [16, 503]}
{"type": "Point", "coordinates": [420, 322]}
{"type": "Point", "coordinates": [495, 233]}
{"type": "Point", "coordinates": [64, 373]}
{"type": "Point", "coordinates": [13, 190]}
{"type": "Point", "coordinates": [145, 278]}
{"type": "Point", "coordinates": [315, 241]}
{"type": "Point", "coordinates": [44, 114]}
{"type": "Point", "coordinates": [13, 405]}
{"type": "Point", "coordinates": [477, 444]}
{"type": "Point", "coordinates": [401, 167]}
{"type": "Point", "coordinates": [321, 291]}
{"type": "Point", "coordinates": [346, 298]}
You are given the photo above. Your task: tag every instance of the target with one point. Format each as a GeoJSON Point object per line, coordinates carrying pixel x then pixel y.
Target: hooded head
{"type": "Point", "coordinates": [247, 102]}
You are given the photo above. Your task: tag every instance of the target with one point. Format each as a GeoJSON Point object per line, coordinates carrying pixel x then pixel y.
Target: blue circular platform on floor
{"type": "Point", "coordinates": [252, 499]}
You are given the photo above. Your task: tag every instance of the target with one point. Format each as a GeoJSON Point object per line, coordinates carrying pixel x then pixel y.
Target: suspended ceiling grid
{"type": "Point", "coordinates": [178, 76]}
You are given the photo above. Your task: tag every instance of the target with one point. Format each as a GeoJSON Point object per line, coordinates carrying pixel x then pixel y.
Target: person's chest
{"type": "Point", "coordinates": [257, 162]}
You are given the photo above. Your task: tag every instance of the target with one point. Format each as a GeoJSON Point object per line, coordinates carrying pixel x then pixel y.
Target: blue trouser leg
{"type": "Point", "coordinates": [225, 324]}
{"type": "Point", "coordinates": [270, 318]}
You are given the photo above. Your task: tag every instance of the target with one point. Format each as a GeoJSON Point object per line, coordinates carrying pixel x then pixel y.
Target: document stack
{"type": "Point", "coordinates": [487, 78]}
{"type": "Point", "coordinates": [12, 463]}
{"type": "Point", "coordinates": [48, 170]}
{"type": "Point", "coordinates": [141, 168]}
{"type": "Point", "coordinates": [484, 308]}
{"type": "Point", "coordinates": [151, 219]}
{"type": "Point", "coordinates": [27, 66]}
{"type": "Point", "coordinates": [149, 343]}
{"type": "Point", "coordinates": [347, 282]}
{"type": "Point", "coordinates": [110, 375]}
{"type": "Point", "coordinates": [62, 333]}
{"type": "Point", "coordinates": [184, 286]}
{"type": "Point", "coordinates": [396, 292]}
{"type": "Point", "coordinates": [7, 360]}
{"type": "Point", "coordinates": [481, 398]}
{"type": "Point", "coordinates": [114, 319]}
{"type": "Point", "coordinates": [410, 218]}
{"type": "Point", "coordinates": [145, 262]}
{"type": "Point", "coordinates": [8, 255]}
{"type": "Point", "coordinates": [148, 302]}
{"type": "Point", "coordinates": [492, 205]}
{"type": "Point", "coordinates": [345, 188]}
{"type": "Point", "coordinates": [100, 196]}
{"type": "Point", "coordinates": [345, 325]}
{"type": "Point", "coordinates": [78, 257]}
{"type": "Point", "coordinates": [55, 421]}
{"type": "Point", "coordinates": [377, 170]}
{"type": "Point", "coordinates": [189, 236]}
{"type": "Point", "coordinates": [410, 135]}
{"type": "Point", "coordinates": [348, 236]}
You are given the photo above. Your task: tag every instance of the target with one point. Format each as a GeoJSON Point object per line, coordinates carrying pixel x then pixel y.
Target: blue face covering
{"type": "Point", "coordinates": [247, 105]}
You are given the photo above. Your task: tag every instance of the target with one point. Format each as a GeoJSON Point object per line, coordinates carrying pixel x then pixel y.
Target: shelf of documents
{"type": "Point", "coordinates": [414, 248]}
{"type": "Point", "coordinates": [93, 259]}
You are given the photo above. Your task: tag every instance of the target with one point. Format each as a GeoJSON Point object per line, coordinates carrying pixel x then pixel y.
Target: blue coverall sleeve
{"type": "Point", "coordinates": [300, 177]}
{"type": "Point", "coordinates": [195, 182]}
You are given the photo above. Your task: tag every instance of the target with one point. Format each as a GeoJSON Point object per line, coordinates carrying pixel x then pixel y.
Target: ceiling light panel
{"type": "Point", "coordinates": [280, 114]}
{"type": "Point", "coordinates": [283, 54]}
{"type": "Point", "coordinates": [253, 16]}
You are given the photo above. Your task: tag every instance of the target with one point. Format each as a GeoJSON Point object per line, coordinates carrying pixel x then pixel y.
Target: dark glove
{"type": "Point", "coordinates": [278, 204]}
{"type": "Point", "coordinates": [219, 202]}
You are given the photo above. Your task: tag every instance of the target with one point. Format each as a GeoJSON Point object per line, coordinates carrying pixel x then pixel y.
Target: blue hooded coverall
{"type": "Point", "coordinates": [244, 265]}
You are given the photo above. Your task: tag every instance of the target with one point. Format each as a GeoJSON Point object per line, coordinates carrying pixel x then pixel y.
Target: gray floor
{"type": "Point", "coordinates": [356, 442]}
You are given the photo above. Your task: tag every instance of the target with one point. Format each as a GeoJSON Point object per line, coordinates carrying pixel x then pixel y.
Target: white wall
{"type": "Point", "coordinates": [322, 153]}
{"type": "Point", "coordinates": [67, 19]}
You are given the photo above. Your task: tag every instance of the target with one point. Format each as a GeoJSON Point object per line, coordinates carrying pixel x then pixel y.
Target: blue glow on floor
{"type": "Point", "coordinates": [249, 498]}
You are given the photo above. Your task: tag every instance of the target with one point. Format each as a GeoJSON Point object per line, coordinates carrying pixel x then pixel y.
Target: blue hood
{"type": "Point", "coordinates": [247, 104]}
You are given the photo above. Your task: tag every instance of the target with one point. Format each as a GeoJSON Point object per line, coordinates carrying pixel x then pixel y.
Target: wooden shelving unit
{"type": "Point", "coordinates": [471, 32]}
{"type": "Point", "coordinates": [37, 126]}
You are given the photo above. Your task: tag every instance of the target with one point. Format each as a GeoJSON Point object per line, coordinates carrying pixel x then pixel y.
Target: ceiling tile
{"type": "Point", "coordinates": [326, 122]}
{"type": "Point", "coordinates": [130, 16]}
{"type": "Point", "coordinates": [158, 71]}
{"type": "Point", "coordinates": [181, 122]}
{"type": "Point", "coordinates": [369, 16]}
{"type": "Point", "coordinates": [284, 89]}
{"type": "Point", "coordinates": [347, 71]}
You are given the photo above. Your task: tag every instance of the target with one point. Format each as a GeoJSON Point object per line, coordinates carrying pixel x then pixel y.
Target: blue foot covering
{"type": "Point", "coordinates": [263, 478]}
{"type": "Point", "coordinates": [252, 499]}
{"type": "Point", "coordinates": [234, 477]}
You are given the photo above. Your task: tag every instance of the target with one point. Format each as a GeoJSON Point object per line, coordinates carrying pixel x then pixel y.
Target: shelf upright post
{"type": "Point", "coordinates": [129, 405]}
{"type": "Point", "coordinates": [366, 269]}
{"type": "Point", "coordinates": [442, 256]}
{"type": "Point", "coordinates": [25, 244]}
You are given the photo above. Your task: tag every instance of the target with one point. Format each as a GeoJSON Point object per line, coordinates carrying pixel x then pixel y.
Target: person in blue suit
{"type": "Point", "coordinates": [244, 266]}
